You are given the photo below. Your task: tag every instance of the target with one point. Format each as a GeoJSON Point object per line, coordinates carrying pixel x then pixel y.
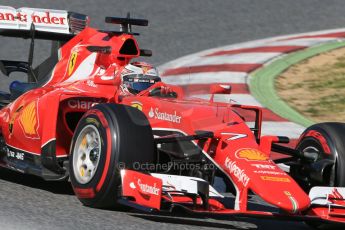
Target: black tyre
{"type": "Point", "coordinates": [108, 137]}
{"type": "Point", "coordinates": [328, 141]}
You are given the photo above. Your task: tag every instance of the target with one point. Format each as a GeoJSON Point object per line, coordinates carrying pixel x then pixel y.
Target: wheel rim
{"type": "Point", "coordinates": [86, 154]}
{"type": "Point", "coordinates": [312, 150]}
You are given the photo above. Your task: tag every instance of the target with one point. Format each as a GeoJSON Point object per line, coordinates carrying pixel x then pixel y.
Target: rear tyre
{"type": "Point", "coordinates": [108, 137]}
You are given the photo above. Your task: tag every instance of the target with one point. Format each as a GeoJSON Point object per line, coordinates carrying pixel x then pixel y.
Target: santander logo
{"type": "Point", "coordinates": [44, 18]}
{"type": "Point", "coordinates": [132, 185]}
{"type": "Point", "coordinates": [155, 113]}
{"type": "Point", "coordinates": [153, 190]}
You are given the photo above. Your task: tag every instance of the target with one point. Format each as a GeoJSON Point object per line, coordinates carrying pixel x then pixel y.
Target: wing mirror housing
{"type": "Point", "coordinates": [220, 89]}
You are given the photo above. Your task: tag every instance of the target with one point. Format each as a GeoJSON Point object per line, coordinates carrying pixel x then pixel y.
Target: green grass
{"type": "Point", "coordinates": [264, 87]}
{"type": "Point", "coordinates": [334, 103]}
{"type": "Point", "coordinates": [327, 85]}
{"type": "Point", "coordinates": [328, 81]}
{"type": "Point", "coordinates": [328, 77]}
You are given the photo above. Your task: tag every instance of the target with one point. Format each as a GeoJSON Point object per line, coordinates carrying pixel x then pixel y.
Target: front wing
{"type": "Point", "coordinates": [163, 193]}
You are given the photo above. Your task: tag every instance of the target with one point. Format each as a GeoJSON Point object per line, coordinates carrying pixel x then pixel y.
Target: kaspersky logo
{"type": "Point", "coordinates": [156, 114]}
{"type": "Point", "coordinates": [237, 171]}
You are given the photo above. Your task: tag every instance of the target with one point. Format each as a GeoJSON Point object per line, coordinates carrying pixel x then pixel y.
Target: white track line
{"type": "Point", "coordinates": [302, 42]}
{"type": "Point", "coordinates": [287, 128]}
{"type": "Point", "coordinates": [250, 44]}
{"type": "Point", "coordinates": [206, 78]}
{"type": "Point", "coordinates": [242, 58]}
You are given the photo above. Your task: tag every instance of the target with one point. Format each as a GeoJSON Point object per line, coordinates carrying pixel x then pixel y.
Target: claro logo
{"type": "Point", "coordinates": [80, 104]}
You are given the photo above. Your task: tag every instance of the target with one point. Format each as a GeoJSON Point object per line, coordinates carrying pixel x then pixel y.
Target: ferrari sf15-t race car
{"type": "Point", "coordinates": [152, 151]}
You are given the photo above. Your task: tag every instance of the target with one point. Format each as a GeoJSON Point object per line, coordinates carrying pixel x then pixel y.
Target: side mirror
{"type": "Point", "coordinates": [220, 89]}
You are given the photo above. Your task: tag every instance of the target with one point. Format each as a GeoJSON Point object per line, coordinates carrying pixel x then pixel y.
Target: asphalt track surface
{"type": "Point", "coordinates": [177, 28]}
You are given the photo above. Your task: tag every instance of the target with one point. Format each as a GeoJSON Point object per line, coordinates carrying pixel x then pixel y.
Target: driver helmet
{"type": "Point", "coordinates": [139, 76]}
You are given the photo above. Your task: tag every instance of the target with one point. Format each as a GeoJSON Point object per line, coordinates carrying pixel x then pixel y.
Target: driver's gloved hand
{"type": "Point", "coordinates": [165, 90]}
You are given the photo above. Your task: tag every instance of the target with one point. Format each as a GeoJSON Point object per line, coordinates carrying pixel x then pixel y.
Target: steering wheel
{"type": "Point", "coordinates": [157, 92]}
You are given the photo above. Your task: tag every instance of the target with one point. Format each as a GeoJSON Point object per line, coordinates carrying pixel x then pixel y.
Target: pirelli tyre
{"type": "Point", "coordinates": [324, 147]}
{"type": "Point", "coordinates": [108, 137]}
{"type": "Point", "coordinates": [324, 165]}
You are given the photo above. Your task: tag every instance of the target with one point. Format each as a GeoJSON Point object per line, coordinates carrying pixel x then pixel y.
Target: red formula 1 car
{"type": "Point", "coordinates": [152, 151]}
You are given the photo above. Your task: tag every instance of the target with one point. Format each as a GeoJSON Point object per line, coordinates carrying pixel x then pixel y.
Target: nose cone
{"type": "Point", "coordinates": [289, 203]}
{"type": "Point", "coordinates": [285, 194]}
{"type": "Point", "coordinates": [252, 169]}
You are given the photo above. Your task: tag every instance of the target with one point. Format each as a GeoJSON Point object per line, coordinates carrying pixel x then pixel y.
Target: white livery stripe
{"type": "Point", "coordinates": [206, 78]}
{"type": "Point", "coordinates": [243, 58]}
{"type": "Point", "coordinates": [84, 70]}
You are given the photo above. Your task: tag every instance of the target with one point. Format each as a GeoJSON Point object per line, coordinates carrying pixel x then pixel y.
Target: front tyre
{"type": "Point", "coordinates": [108, 137]}
{"type": "Point", "coordinates": [327, 142]}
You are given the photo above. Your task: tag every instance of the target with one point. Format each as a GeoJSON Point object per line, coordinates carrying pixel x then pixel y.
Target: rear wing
{"type": "Point", "coordinates": [48, 24]}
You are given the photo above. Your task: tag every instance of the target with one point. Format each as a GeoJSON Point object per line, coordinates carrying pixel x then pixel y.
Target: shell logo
{"type": "Point", "coordinates": [251, 155]}
{"type": "Point", "coordinates": [28, 120]}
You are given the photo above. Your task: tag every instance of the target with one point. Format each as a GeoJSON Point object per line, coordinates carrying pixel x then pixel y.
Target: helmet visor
{"type": "Point", "coordinates": [139, 86]}
{"type": "Point", "coordinates": [139, 83]}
